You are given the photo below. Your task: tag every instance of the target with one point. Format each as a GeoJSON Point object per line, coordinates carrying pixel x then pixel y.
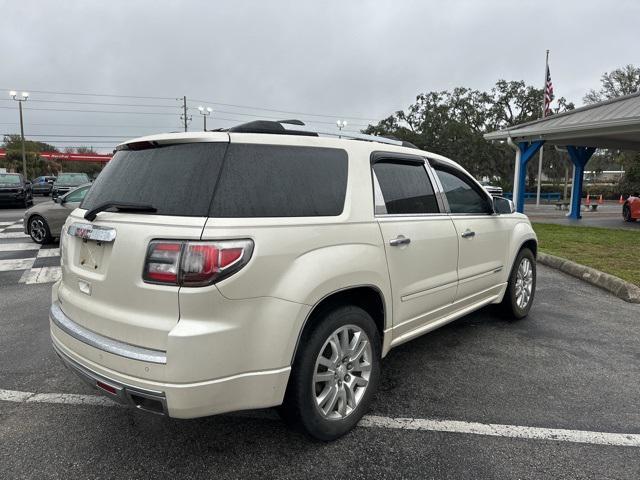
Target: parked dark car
{"type": "Point", "coordinates": [67, 182]}
{"type": "Point", "coordinates": [43, 185]}
{"type": "Point", "coordinates": [15, 190]}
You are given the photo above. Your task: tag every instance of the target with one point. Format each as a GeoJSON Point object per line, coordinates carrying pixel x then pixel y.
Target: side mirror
{"type": "Point", "coordinates": [58, 200]}
{"type": "Point", "coordinates": [503, 206]}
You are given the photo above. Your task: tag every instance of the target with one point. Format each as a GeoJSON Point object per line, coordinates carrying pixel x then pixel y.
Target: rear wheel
{"type": "Point", "coordinates": [522, 286]}
{"type": "Point", "coordinates": [335, 374]}
{"type": "Point", "coordinates": [626, 213]}
{"type": "Point", "coordinates": [39, 230]}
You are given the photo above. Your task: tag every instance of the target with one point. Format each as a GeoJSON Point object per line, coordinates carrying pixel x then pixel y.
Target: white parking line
{"type": "Point", "coordinates": [16, 264]}
{"type": "Point", "coordinates": [41, 275]}
{"type": "Point", "coordinates": [13, 235]}
{"type": "Point", "coordinates": [374, 421]}
{"type": "Point", "coordinates": [13, 247]}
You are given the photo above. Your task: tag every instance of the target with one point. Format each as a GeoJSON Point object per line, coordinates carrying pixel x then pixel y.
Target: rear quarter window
{"type": "Point", "coordinates": [281, 181]}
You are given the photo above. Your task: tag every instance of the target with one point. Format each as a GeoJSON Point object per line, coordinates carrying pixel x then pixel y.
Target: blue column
{"type": "Point", "coordinates": [527, 151]}
{"type": "Point", "coordinates": [579, 156]}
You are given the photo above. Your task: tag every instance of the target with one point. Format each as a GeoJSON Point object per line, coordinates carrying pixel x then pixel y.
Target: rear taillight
{"type": "Point", "coordinates": [195, 263]}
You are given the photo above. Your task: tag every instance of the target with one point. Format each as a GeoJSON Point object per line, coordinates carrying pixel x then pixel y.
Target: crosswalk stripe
{"type": "Point", "coordinates": [13, 247]}
{"type": "Point", "coordinates": [41, 275]}
{"type": "Point", "coordinates": [16, 264]}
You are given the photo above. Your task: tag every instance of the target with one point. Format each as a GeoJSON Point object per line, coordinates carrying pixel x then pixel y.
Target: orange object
{"type": "Point", "coordinates": [621, 201]}
{"type": "Point", "coordinates": [600, 200]}
{"type": "Point", "coordinates": [588, 202]}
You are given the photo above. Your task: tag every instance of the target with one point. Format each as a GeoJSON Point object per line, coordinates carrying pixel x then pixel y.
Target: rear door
{"type": "Point", "coordinates": [483, 237]}
{"type": "Point", "coordinates": [102, 287]}
{"type": "Point", "coordinates": [419, 238]}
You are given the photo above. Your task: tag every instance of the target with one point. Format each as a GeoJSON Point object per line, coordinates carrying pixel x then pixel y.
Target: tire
{"type": "Point", "coordinates": [626, 213]}
{"type": "Point", "coordinates": [346, 397]}
{"type": "Point", "coordinates": [516, 303]}
{"type": "Point", "coordinates": [39, 230]}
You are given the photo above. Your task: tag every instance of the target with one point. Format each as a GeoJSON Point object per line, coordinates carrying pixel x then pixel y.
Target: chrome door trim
{"type": "Point", "coordinates": [88, 231]}
{"type": "Point", "coordinates": [103, 343]}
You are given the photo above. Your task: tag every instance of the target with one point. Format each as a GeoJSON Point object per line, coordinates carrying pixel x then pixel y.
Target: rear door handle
{"type": "Point", "coordinates": [399, 240]}
{"type": "Point", "coordinates": [468, 234]}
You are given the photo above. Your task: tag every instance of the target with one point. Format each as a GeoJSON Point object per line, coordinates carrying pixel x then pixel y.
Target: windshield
{"type": "Point", "coordinates": [72, 179]}
{"type": "Point", "coordinates": [173, 179]}
{"type": "Point", "coordinates": [11, 178]}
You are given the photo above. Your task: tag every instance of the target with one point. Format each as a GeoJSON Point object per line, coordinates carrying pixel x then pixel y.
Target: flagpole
{"type": "Point", "coordinates": [544, 89]}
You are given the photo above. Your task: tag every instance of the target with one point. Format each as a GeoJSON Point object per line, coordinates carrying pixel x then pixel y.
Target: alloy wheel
{"type": "Point", "coordinates": [38, 230]}
{"type": "Point", "coordinates": [524, 283]}
{"type": "Point", "coordinates": [342, 372]}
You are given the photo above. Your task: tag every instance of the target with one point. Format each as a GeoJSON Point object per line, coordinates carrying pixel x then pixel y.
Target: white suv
{"type": "Point", "coordinates": [262, 266]}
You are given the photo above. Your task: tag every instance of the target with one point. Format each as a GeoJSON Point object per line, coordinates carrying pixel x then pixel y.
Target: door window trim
{"type": "Point", "coordinates": [435, 163]}
{"type": "Point", "coordinates": [395, 157]}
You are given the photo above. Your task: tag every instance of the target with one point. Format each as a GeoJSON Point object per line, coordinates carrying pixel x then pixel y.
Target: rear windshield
{"type": "Point", "coordinates": [175, 179]}
{"type": "Point", "coordinates": [9, 178]}
{"type": "Point", "coordinates": [72, 179]}
{"type": "Point", "coordinates": [251, 181]}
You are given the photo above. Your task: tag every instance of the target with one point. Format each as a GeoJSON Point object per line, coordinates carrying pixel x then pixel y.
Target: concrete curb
{"type": "Point", "coordinates": [620, 288]}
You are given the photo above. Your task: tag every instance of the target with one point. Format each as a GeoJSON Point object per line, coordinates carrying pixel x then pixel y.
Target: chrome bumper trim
{"type": "Point", "coordinates": [124, 394]}
{"type": "Point", "coordinates": [104, 343]}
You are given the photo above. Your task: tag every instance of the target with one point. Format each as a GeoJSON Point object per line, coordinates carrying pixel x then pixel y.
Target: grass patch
{"type": "Point", "coordinates": [608, 250]}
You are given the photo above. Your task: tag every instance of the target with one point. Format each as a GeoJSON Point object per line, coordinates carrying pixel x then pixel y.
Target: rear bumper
{"type": "Point", "coordinates": [128, 395]}
{"type": "Point", "coordinates": [242, 391]}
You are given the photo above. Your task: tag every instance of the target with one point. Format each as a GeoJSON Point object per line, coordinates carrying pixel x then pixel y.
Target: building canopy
{"type": "Point", "coordinates": [613, 123]}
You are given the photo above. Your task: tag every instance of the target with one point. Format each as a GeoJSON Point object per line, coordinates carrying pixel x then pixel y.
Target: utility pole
{"type": "Point", "coordinates": [25, 96]}
{"type": "Point", "coordinates": [184, 112]}
{"type": "Point", "coordinates": [544, 90]}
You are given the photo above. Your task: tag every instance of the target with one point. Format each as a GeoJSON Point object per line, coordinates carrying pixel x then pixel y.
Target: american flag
{"type": "Point", "coordinates": [548, 94]}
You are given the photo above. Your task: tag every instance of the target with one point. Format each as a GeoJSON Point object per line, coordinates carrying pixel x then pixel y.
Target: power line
{"type": "Point", "coordinates": [246, 107]}
{"type": "Point", "coordinates": [94, 94]}
{"type": "Point", "coordinates": [95, 103]}
{"type": "Point", "coordinates": [288, 112]}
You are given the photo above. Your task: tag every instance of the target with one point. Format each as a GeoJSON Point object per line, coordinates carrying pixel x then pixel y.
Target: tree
{"type": "Point", "coordinates": [35, 165]}
{"type": "Point", "coordinates": [630, 183]}
{"type": "Point", "coordinates": [619, 82]}
{"type": "Point", "coordinates": [453, 123]}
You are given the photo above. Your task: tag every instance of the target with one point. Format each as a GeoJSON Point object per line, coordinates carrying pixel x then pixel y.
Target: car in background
{"type": "Point", "coordinates": [67, 182]}
{"type": "Point", "coordinates": [492, 189]}
{"type": "Point", "coordinates": [631, 208]}
{"type": "Point", "coordinates": [43, 185]}
{"type": "Point", "coordinates": [15, 190]}
{"type": "Point", "coordinates": [43, 222]}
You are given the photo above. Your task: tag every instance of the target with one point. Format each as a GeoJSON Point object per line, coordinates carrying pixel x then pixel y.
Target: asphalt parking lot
{"type": "Point", "coordinates": [574, 365]}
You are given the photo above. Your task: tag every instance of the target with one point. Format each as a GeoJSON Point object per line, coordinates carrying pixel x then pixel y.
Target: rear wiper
{"type": "Point", "coordinates": [121, 207]}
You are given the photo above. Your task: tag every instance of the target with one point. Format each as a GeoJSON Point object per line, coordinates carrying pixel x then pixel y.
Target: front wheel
{"type": "Point", "coordinates": [522, 286]}
{"type": "Point", "coordinates": [335, 374]}
{"type": "Point", "coordinates": [39, 230]}
{"type": "Point", "coordinates": [626, 214]}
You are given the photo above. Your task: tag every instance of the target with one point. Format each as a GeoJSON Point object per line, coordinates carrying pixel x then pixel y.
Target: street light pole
{"type": "Point", "coordinates": [25, 96]}
{"type": "Point", "coordinates": [341, 124]}
{"type": "Point", "coordinates": [205, 112]}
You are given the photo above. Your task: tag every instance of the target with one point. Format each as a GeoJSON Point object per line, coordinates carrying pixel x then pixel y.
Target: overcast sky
{"type": "Point", "coordinates": [344, 59]}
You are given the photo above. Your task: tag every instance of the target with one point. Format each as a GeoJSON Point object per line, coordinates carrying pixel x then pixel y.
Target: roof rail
{"type": "Point", "coordinates": [296, 127]}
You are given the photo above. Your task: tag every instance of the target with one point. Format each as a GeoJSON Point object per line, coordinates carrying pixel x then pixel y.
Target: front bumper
{"type": "Point", "coordinates": [87, 353]}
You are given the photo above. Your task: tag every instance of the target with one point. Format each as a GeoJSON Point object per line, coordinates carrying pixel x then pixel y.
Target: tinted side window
{"type": "Point", "coordinates": [462, 195]}
{"type": "Point", "coordinates": [76, 195]}
{"type": "Point", "coordinates": [281, 181]}
{"type": "Point", "coordinates": [406, 188]}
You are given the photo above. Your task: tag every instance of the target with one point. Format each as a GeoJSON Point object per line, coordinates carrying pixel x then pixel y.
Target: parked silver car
{"type": "Point", "coordinates": [43, 222]}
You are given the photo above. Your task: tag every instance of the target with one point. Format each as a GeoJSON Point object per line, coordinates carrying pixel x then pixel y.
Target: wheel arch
{"type": "Point", "coordinates": [368, 297]}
